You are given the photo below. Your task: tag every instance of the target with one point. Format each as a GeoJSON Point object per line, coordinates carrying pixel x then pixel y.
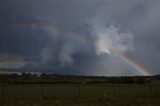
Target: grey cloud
{"type": "Point", "coordinates": [62, 33]}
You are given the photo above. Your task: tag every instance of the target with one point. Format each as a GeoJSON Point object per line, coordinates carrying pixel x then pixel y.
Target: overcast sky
{"type": "Point", "coordinates": [77, 36]}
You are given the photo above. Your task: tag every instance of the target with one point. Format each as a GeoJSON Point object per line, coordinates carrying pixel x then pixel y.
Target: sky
{"type": "Point", "coordinates": [80, 36]}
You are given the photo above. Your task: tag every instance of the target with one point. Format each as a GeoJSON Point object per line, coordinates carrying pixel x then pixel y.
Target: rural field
{"type": "Point", "coordinates": [79, 95]}
{"type": "Point", "coordinates": [79, 52]}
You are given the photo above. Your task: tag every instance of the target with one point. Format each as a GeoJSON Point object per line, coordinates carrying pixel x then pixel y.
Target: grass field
{"type": "Point", "coordinates": [79, 95]}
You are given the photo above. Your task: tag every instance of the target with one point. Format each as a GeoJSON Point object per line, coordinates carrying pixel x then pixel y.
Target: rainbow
{"type": "Point", "coordinates": [140, 69]}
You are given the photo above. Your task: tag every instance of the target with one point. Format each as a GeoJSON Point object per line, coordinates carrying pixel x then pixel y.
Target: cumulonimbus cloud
{"type": "Point", "coordinates": [62, 45]}
{"type": "Point", "coordinates": [111, 39]}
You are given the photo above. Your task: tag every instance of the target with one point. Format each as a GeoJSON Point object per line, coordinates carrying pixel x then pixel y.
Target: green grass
{"type": "Point", "coordinates": [83, 95]}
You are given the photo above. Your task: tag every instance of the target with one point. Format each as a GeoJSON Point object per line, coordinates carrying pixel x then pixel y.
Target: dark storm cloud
{"type": "Point", "coordinates": [69, 35]}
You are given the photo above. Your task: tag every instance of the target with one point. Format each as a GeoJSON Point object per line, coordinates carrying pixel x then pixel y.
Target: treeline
{"type": "Point", "coordinates": [28, 78]}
